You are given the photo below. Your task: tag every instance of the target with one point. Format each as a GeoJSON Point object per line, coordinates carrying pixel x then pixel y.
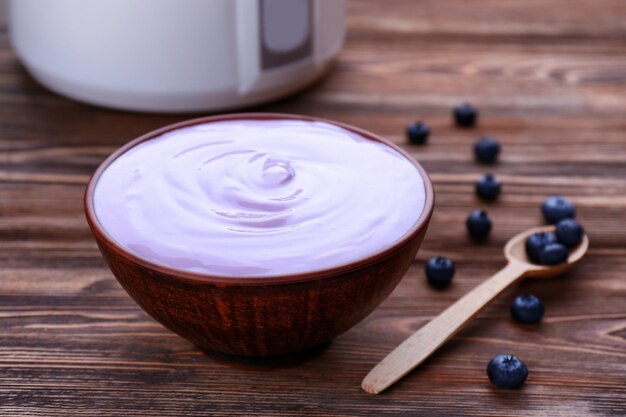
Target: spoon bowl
{"type": "Point", "coordinates": [515, 252]}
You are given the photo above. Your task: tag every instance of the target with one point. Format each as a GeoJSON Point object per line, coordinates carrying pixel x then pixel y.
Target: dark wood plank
{"type": "Point", "coordinates": [550, 80]}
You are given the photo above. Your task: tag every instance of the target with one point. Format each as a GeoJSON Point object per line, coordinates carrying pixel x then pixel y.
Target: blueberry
{"type": "Point", "coordinates": [439, 271]}
{"type": "Point", "coordinates": [465, 115]}
{"type": "Point", "coordinates": [478, 224]}
{"type": "Point", "coordinates": [487, 150]}
{"type": "Point", "coordinates": [535, 244]}
{"type": "Point", "coordinates": [527, 309]}
{"type": "Point", "coordinates": [417, 133]}
{"type": "Point", "coordinates": [569, 232]}
{"type": "Point", "coordinates": [507, 371]}
{"type": "Point", "coordinates": [553, 254]}
{"type": "Point", "coordinates": [557, 208]}
{"type": "Point", "coordinates": [488, 187]}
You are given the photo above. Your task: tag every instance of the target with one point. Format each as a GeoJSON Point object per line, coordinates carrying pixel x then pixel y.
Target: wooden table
{"type": "Point", "coordinates": [549, 78]}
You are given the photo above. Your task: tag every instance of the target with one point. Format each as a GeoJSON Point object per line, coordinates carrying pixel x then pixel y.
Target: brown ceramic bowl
{"type": "Point", "coordinates": [260, 316]}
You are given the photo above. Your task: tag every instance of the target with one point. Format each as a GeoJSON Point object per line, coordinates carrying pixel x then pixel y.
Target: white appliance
{"type": "Point", "coordinates": [176, 55]}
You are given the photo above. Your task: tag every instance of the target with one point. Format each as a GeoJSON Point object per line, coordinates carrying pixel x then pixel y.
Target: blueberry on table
{"type": "Point", "coordinates": [488, 187]}
{"type": "Point", "coordinates": [507, 371]}
{"type": "Point", "coordinates": [465, 115]}
{"type": "Point", "coordinates": [487, 150]}
{"type": "Point", "coordinates": [569, 232]}
{"type": "Point", "coordinates": [417, 133]}
{"type": "Point", "coordinates": [535, 244]}
{"type": "Point", "coordinates": [478, 224]}
{"type": "Point", "coordinates": [439, 271]}
{"type": "Point", "coordinates": [553, 254]}
{"type": "Point", "coordinates": [557, 208]}
{"type": "Point", "coordinates": [527, 309]}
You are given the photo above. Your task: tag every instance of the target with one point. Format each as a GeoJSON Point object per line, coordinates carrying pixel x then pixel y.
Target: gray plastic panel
{"type": "Point", "coordinates": [286, 28]}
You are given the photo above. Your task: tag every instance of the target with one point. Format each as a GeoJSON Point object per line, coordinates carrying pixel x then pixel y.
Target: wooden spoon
{"type": "Point", "coordinates": [414, 350]}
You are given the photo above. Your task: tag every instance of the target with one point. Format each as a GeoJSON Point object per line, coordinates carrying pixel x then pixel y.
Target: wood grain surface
{"type": "Point", "coordinates": [549, 78]}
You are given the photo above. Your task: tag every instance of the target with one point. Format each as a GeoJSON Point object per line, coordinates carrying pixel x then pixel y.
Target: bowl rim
{"type": "Point", "coordinates": [103, 238]}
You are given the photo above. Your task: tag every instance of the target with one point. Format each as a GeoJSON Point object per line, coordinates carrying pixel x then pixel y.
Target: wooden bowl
{"type": "Point", "coordinates": [260, 316]}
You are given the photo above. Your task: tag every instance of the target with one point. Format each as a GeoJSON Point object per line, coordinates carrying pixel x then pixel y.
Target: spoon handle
{"type": "Point", "coordinates": [414, 350]}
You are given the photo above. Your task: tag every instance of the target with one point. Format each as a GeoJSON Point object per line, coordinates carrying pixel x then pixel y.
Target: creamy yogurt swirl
{"type": "Point", "coordinates": [258, 197]}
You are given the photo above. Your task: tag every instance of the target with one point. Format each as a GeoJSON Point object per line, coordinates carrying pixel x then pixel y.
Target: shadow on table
{"type": "Point", "coordinates": [267, 363]}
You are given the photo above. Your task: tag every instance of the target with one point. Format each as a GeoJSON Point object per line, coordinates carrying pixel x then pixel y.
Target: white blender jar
{"type": "Point", "coordinates": [176, 55]}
